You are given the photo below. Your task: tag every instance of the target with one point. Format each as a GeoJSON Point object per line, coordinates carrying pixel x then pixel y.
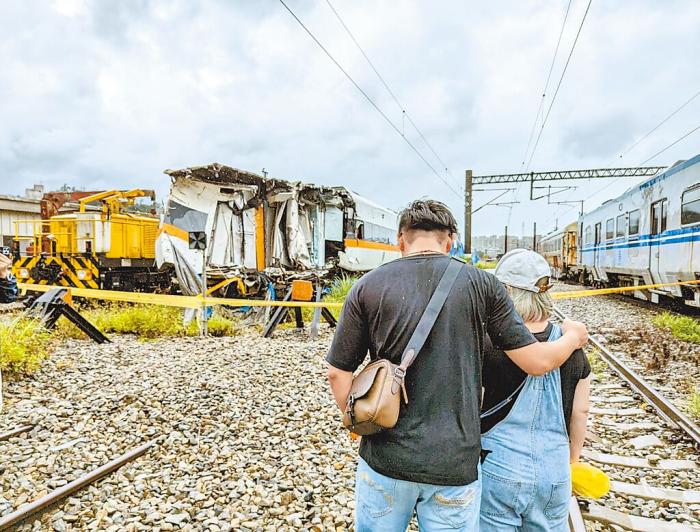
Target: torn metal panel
{"type": "Point", "coordinates": [264, 230]}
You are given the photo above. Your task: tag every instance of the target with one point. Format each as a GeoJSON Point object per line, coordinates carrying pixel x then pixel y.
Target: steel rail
{"type": "Point", "coordinates": [576, 523]}
{"type": "Point", "coordinates": [14, 432]}
{"type": "Point", "coordinates": [663, 406]}
{"type": "Point", "coordinates": [23, 512]}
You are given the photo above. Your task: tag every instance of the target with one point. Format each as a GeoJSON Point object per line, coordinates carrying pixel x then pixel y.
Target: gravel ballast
{"type": "Point", "coordinates": [249, 435]}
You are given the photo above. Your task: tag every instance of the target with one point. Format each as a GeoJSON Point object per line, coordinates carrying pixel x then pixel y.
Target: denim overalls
{"type": "Point", "coordinates": [526, 479]}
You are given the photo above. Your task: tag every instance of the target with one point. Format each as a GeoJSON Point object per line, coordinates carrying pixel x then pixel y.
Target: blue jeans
{"type": "Point", "coordinates": [387, 504]}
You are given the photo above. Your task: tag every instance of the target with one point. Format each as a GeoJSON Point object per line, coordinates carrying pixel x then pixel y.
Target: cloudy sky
{"type": "Point", "coordinates": [107, 94]}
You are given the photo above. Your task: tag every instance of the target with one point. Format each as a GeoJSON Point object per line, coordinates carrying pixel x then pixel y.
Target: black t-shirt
{"type": "Point", "coordinates": [502, 377]}
{"type": "Point", "coordinates": [436, 439]}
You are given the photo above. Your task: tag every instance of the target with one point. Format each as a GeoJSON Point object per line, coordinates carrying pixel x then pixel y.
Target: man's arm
{"type": "Point", "coordinates": [340, 382]}
{"type": "Point", "coordinates": [348, 349]}
{"type": "Point", "coordinates": [542, 357]}
{"type": "Point", "coordinates": [579, 419]}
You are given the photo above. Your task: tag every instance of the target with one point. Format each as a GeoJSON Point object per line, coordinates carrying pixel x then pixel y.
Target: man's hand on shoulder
{"type": "Point", "coordinates": [577, 330]}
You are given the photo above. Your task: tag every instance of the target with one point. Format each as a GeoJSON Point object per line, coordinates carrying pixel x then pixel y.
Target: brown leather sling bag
{"type": "Point", "coordinates": [374, 401]}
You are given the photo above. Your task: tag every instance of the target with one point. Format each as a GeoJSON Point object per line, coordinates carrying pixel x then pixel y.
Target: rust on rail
{"type": "Point", "coordinates": [14, 432]}
{"type": "Point", "coordinates": [663, 406]}
{"type": "Point", "coordinates": [26, 510]}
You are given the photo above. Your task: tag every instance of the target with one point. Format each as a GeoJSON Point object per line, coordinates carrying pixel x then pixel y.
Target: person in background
{"type": "Point", "coordinates": [8, 283]}
{"type": "Point", "coordinates": [428, 464]}
{"type": "Point", "coordinates": [532, 427]}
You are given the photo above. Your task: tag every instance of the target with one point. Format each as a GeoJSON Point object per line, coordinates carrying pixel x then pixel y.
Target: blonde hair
{"type": "Point", "coordinates": [532, 306]}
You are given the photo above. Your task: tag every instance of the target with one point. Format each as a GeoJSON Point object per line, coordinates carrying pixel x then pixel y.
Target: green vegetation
{"type": "Point", "coordinates": [682, 327]}
{"type": "Point", "coordinates": [220, 326]}
{"type": "Point", "coordinates": [694, 404]}
{"type": "Point", "coordinates": [598, 366]}
{"type": "Point", "coordinates": [148, 322]}
{"type": "Point", "coordinates": [24, 343]}
{"type": "Point", "coordinates": [338, 291]}
{"type": "Point", "coordinates": [486, 265]}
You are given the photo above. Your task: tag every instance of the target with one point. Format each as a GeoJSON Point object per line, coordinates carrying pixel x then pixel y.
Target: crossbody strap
{"type": "Point", "coordinates": [503, 403]}
{"type": "Point", "coordinates": [427, 320]}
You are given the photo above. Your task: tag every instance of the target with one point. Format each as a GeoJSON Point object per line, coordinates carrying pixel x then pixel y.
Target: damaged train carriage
{"type": "Point", "coordinates": [263, 233]}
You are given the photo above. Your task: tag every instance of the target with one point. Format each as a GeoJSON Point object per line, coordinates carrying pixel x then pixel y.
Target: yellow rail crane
{"type": "Point", "coordinates": [107, 248]}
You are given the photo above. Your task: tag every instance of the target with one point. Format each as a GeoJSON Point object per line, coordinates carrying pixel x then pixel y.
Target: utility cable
{"type": "Point", "coordinates": [546, 85]}
{"type": "Point", "coordinates": [388, 89]}
{"type": "Point", "coordinates": [659, 124]}
{"type": "Point", "coordinates": [670, 145]}
{"type": "Point", "coordinates": [632, 146]}
{"type": "Point", "coordinates": [367, 97]}
{"type": "Point", "coordinates": [646, 161]}
{"type": "Point", "coordinates": [566, 66]}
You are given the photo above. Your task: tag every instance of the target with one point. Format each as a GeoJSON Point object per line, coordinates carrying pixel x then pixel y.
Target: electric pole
{"type": "Point", "coordinates": [534, 236]}
{"type": "Point", "coordinates": [468, 212]}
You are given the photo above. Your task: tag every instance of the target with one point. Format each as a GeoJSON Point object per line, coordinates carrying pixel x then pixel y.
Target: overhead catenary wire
{"type": "Point", "coordinates": [368, 98]}
{"type": "Point", "coordinates": [639, 141]}
{"type": "Point", "coordinates": [546, 85]}
{"type": "Point", "coordinates": [561, 79]}
{"type": "Point", "coordinates": [404, 113]}
{"type": "Point", "coordinates": [657, 126]}
{"type": "Point", "coordinates": [670, 145]}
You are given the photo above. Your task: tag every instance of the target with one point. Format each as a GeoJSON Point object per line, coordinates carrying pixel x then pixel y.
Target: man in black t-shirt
{"type": "Point", "coordinates": [428, 463]}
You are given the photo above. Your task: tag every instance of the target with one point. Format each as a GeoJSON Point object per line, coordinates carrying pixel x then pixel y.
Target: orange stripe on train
{"type": "Point", "coordinates": [368, 244]}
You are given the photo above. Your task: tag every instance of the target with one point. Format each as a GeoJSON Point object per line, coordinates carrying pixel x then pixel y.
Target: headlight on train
{"type": "Point", "coordinates": [23, 273]}
{"type": "Point", "coordinates": [82, 274]}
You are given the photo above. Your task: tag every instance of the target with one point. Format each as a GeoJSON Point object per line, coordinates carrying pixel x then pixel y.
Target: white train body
{"type": "Point", "coordinates": [261, 230]}
{"type": "Point", "coordinates": [648, 235]}
{"type": "Point", "coordinates": [373, 241]}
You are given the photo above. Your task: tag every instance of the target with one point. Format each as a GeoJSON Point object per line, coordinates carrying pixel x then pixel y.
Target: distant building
{"type": "Point", "coordinates": [26, 212]}
{"type": "Point", "coordinates": [23, 209]}
{"type": "Point", "coordinates": [493, 246]}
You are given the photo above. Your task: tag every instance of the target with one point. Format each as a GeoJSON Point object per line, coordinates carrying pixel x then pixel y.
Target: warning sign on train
{"type": "Point", "coordinates": [198, 240]}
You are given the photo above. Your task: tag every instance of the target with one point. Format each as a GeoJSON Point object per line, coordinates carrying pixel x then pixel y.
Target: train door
{"type": "Point", "coordinates": [597, 239]}
{"type": "Point", "coordinates": [659, 211]}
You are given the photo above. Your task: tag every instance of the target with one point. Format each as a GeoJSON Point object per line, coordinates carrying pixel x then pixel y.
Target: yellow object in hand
{"type": "Point", "coordinates": [589, 481]}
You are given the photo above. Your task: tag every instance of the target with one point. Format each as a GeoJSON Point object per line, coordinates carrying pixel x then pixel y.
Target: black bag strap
{"type": "Point", "coordinates": [503, 403]}
{"type": "Point", "coordinates": [427, 320]}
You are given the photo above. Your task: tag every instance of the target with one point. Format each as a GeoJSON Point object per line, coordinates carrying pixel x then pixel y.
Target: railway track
{"type": "Point", "coordinates": [39, 505]}
{"type": "Point", "coordinates": [633, 469]}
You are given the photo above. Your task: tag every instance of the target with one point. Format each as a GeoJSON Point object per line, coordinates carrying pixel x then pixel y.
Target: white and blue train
{"type": "Point", "coordinates": [648, 235]}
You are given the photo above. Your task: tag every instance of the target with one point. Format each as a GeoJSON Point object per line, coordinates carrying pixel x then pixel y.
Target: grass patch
{"type": "Point", "coordinates": [337, 293]}
{"type": "Point", "coordinates": [24, 344]}
{"type": "Point", "coordinates": [598, 366]}
{"type": "Point", "coordinates": [220, 326]}
{"type": "Point", "coordinates": [694, 404]}
{"type": "Point", "coordinates": [682, 327]}
{"type": "Point", "coordinates": [147, 322]}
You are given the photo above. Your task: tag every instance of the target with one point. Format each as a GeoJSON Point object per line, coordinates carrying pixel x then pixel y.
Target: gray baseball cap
{"type": "Point", "coordinates": [522, 268]}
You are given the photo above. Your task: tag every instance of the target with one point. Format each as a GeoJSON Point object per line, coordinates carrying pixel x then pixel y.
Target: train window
{"type": "Point", "coordinates": [597, 233]}
{"type": "Point", "coordinates": [690, 206]}
{"type": "Point", "coordinates": [658, 216]}
{"type": "Point", "coordinates": [378, 233]}
{"type": "Point", "coordinates": [620, 229]}
{"type": "Point", "coordinates": [587, 235]}
{"type": "Point", "coordinates": [609, 229]}
{"type": "Point", "coordinates": [634, 223]}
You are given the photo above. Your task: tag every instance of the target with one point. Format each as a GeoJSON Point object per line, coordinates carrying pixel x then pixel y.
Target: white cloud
{"type": "Point", "coordinates": [109, 94]}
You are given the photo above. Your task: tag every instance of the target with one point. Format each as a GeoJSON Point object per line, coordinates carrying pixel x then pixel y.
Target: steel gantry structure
{"type": "Point", "coordinates": [532, 177]}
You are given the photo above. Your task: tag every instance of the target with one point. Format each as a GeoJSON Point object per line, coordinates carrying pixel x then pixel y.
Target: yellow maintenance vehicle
{"type": "Point", "coordinates": [104, 247]}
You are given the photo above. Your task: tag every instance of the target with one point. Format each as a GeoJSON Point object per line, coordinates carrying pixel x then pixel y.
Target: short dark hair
{"type": "Point", "coordinates": [427, 215]}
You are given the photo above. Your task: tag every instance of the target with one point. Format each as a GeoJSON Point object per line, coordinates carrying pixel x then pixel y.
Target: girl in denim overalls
{"type": "Point", "coordinates": [526, 480]}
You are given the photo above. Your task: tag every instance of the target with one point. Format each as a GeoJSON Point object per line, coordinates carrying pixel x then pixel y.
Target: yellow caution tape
{"type": "Point", "coordinates": [172, 300]}
{"type": "Point", "coordinates": [169, 300]}
{"type": "Point", "coordinates": [618, 290]}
